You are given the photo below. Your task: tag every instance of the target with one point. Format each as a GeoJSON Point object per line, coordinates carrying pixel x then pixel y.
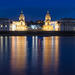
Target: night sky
{"type": "Point", "coordinates": [36, 9]}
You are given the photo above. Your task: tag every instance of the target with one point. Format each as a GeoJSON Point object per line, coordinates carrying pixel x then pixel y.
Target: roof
{"type": "Point", "coordinates": [4, 19]}
{"type": "Point", "coordinates": [67, 19]}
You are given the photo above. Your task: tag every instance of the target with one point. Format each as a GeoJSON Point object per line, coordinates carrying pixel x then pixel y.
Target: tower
{"type": "Point", "coordinates": [20, 25]}
{"type": "Point", "coordinates": [47, 26]}
{"type": "Point", "coordinates": [21, 17]}
{"type": "Point", "coordinates": [47, 19]}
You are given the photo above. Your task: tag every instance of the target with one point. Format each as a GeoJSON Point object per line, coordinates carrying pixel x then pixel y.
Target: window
{"type": "Point", "coordinates": [5, 25]}
{"type": "Point", "coordinates": [1, 26]}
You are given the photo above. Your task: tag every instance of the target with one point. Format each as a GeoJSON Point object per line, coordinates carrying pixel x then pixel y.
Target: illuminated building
{"type": "Point", "coordinates": [35, 27]}
{"type": "Point", "coordinates": [55, 25]}
{"type": "Point", "coordinates": [50, 25]}
{"type": "Point", "coordinates": [19, 25]}
{"type": "Point", "coordinates": [47, 26]}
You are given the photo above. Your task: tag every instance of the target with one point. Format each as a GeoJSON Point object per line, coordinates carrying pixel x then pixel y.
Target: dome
{"type": "Point", "coordinates": [22, 18]}
{"type": "Point", "coordinates": [47, 17]}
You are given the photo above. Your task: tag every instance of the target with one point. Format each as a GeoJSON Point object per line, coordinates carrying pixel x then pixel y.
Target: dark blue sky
{"type": "Point", "coordinates": [36, 9]}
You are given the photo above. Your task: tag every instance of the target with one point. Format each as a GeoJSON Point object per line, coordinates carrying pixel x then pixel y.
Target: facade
{"type": "Point", "coordinates": [35, 27]}
{"type": "Point", "coordinates": [55, 25]}
{"type": "Point", "coordinates": [19, 25]}
{"type": "Point", "coordinates": [4, 24]}
{"type": "Point", "coordinates": [48, 26]}
{"type": "Point", "coordinates": [67, 24]}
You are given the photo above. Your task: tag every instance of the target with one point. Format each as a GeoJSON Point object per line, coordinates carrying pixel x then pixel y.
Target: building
{"type": "Point", "coordinates": [5, 24]}
{"type": "Point", "coordinates": [35, 27]}
{"type": "Point", "coordinates": [55, 25]}
{"type": "Point", "coordinates": [50, 25]}
{"type": "Point", "coordinates": [47, 26]}
{"type": "Point", "coordinates": [19, 25]}
{"type": "Point", "coordinates": [67, 24]}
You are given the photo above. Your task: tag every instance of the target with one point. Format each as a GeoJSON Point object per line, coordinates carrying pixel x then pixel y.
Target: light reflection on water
{"type": "Point", "coordinates": [50, 54]}
{"type": "Point", "coordinates": [22, 55]}
{"type": "Point", "coordinates": [18, 54]}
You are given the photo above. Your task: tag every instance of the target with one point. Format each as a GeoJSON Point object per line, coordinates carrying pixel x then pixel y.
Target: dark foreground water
{"type": "Point", "coordinates": [22, 55]}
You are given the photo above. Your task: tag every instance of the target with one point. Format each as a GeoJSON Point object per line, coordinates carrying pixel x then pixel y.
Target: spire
{"type": "Point", "coordinates": [21, 12]}
{"type": "Point", "coordinates": [21, 18]}
{"type": "Point", "coordinates": [47, 17]}
{"type": "Point", "coordinates": [47, 12]}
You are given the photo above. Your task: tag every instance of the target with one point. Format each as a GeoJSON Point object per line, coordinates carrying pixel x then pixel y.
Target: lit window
{"type": "Point", "coordinates": [1, 26]}
{"type": "Point", "coordinates": [5, 25]}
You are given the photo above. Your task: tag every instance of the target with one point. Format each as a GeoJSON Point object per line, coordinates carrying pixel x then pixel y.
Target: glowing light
{"type": "Point", "coordinates": [50, 25]}
{"type": "Point", "coordinates": [13, 27]}
{"type": "Point", "coordinates": [1, 25]}
{"type": "Point", "coordinates": [5, 25]}
{"type": "Point", "coordinates": [19, 25]}
{"type": "Point", "coordinates": [33, 27]}
{"type": "Point", "coordinates": [47, 26]}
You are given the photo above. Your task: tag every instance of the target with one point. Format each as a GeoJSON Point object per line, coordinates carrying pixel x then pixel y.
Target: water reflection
{"type": "Point", "coordinates": [18, 54]}
{"type": "Point", "coordinates": [22, 55]}
{"type": "Point", "coordinates": [56, 52]}
{"type": "Point", "coordinates": [47, 44]}
{"type": "Point", "coordinates": [34, 51]}
{"type": "Point", "coordinates": [50, 54]}
{"type": "Point", "coordinates": [4, 46]}
{"type": "Point", "coordinates": [4, 54]}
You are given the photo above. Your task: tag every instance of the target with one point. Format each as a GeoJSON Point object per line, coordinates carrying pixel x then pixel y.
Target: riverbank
{"type": "Point", "coordinates": [37, 33]}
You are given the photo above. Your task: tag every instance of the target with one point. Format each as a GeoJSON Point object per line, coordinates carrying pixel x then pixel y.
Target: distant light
{"type": "Point", "coordinates": [13, 27]}
{"type": "Point", "coordinates": [35, 27]}
{"type": "Point", "coordinates": [1, 25]}
{"type": "Point", "coordinates": [5, 25]}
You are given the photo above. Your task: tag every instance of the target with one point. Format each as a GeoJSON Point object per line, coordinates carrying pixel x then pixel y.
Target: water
{"type": "Point", "coordinates": [22, 55]}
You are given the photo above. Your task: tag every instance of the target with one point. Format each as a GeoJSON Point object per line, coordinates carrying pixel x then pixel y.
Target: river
{"type": "Point", "coordinates": [35, 55]}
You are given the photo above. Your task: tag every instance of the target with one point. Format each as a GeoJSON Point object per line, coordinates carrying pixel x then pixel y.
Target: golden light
{"type": "Point", "coordinates": [50, 25]}
{"type": "Point", "coordinates": [19, 25]}
{"type": "Point", "coordinates": [13, 27]}
{"type": "Point", "coordinates": [47, 26]}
